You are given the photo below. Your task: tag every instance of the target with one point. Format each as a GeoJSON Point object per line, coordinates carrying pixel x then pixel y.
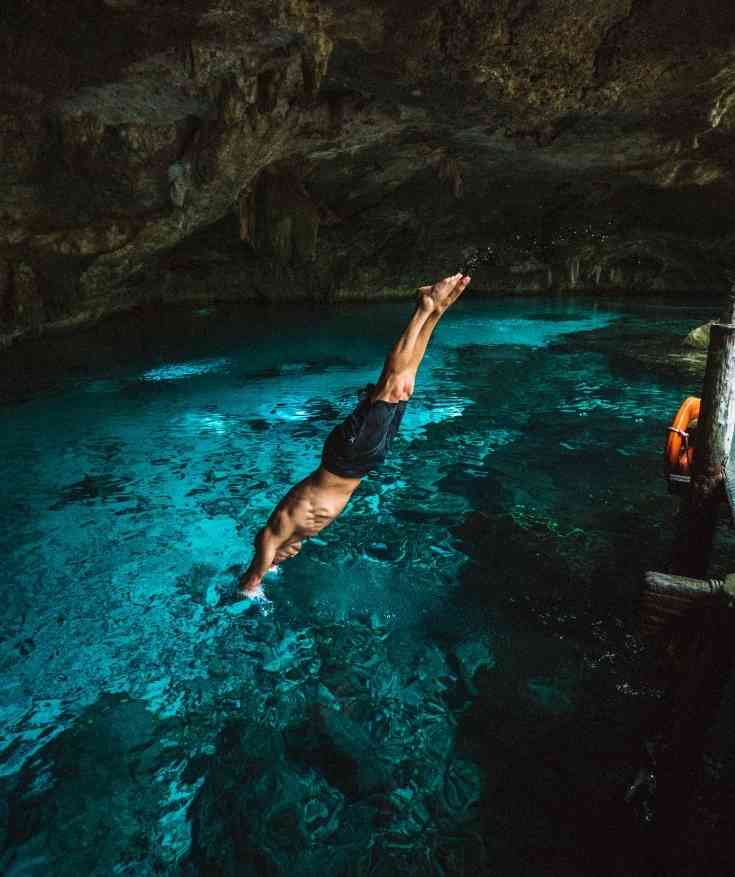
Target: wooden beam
{"type": "Point", "coordinates": [683, 586]}
{"type": "Point", "coordinates": [695, 533]}
{"type": "Point", "coordinates": [668, 600]}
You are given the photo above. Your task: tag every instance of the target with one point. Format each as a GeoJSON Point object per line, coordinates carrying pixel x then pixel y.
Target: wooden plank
{"type": "Point", "coordinates": [666, 583]}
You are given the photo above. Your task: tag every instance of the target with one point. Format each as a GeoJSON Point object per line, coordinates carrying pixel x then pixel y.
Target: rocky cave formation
{"type": "Point", "coordinates": [184, 150]}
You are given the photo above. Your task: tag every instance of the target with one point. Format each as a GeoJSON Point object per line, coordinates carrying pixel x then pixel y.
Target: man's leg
{"type": "Point", "coordinates": [399, 372]}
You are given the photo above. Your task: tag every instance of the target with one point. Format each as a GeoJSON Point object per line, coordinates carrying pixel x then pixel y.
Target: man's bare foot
{"type": "Point", "coordinates": [425, 300]}
{"type": "Point", "coordinates": [443, 293]}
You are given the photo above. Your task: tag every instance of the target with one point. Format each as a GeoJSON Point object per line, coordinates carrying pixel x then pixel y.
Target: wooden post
{"type": "Point", "coordinates": [711, 451]}
{"type": "Point", "coordinates": [707, 654]}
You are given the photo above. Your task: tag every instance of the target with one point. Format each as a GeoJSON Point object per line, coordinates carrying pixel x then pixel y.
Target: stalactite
{"type": "Point", "coordinates": [450, 171]}
{"type": "Point", "coordinates": [574, 272]}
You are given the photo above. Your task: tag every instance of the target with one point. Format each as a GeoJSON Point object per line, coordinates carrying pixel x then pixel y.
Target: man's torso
{"type": "Point", "coordinates": [313, 504]}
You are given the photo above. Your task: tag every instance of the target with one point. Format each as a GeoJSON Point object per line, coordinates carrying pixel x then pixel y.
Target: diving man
{"type": "Point", "coordinates": [356, 446]}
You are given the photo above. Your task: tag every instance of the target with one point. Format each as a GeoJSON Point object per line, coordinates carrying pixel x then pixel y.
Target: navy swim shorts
{"type": "Point", "coordinates": [360, 444]}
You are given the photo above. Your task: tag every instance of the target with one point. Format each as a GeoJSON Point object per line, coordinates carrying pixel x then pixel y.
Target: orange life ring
{"type": "Point", "coordinates": [678, 452]}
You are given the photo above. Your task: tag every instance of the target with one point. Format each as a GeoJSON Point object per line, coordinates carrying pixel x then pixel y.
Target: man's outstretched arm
{"type": "Point", "coordinates": [266, 545]}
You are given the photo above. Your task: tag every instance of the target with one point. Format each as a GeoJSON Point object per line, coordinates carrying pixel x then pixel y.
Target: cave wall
{"type": "Point", "coordinates": [291, 149]}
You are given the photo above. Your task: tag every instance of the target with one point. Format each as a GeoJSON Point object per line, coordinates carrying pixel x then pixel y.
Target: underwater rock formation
{"type": "Point", "coordinates": [353, 770]}
{"type": "Point", "coordinates": [284, 149]}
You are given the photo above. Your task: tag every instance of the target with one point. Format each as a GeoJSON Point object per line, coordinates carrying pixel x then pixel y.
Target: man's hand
{"type": "Point", "coordinates": [287, 551]}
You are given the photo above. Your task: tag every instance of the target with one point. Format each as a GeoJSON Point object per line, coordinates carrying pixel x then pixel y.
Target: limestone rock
{"type": "Point", "coordinates": [4, 286]}
{"type": "Point", "coordinates": [179, 178]}
{"type": "Point", "coordinates": [363, 149]}
{"type": "Point", "coordinates": [285, 221]}
{"type": "Point", "coordinates": [699, 337]}
{"type": "Point", "coordinates": [106, 236]}
{"type": "Point", "coordinates": [23, 303]}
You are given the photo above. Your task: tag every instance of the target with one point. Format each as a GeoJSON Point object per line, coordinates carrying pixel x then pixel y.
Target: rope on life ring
{"type": "Point", "coordinates": [679, 450]}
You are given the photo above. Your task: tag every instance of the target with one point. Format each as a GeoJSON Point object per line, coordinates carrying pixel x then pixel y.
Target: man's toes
{"type": "Point", "coordinates": [443, 286]}
{"type": "Point", "coordinates": [442, 290]}
{"type": "Point", "coordinates": [459, 288]}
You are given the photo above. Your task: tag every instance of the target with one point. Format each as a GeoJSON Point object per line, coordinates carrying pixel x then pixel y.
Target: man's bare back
{"type": "Point", "coordinates": [316, 501]}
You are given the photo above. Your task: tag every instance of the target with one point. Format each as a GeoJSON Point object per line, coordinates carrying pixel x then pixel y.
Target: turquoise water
{"type": "Point", "coordinates": [445, 678]}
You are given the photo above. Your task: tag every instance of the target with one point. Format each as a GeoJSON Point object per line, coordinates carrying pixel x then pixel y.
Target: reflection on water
{"type": "Point", "coordinates": [411, 699]}
{"type": "Point", "coordinates": [179, 370]}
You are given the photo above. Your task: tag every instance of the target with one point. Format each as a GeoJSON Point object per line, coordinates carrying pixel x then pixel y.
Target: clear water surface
{"type": "Point", "coordinates": [447, 678]}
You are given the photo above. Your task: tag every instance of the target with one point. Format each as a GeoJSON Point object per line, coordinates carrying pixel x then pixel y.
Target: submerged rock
{"type": "Point", "coordinates": [89, 802]}
{"type": "Point", "coordinates": [473, 656]}
{"type": "Point", "coordinates": [462, 787]}
{"type": "Point", "coordinates": [366, 760]}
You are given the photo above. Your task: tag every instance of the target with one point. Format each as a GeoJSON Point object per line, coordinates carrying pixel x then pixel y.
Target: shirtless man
{"type": "Point", "coordinates": [356, 446]}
